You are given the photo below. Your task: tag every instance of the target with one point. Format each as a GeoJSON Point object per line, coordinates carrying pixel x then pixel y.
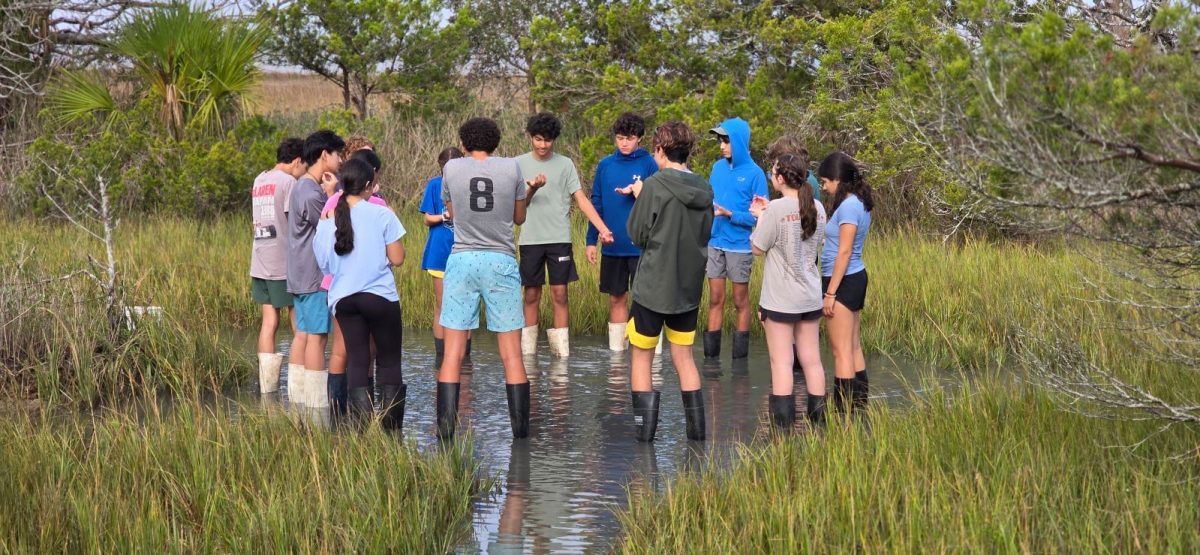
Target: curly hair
{"type": "Point", "coordinates": [840, 167]}
{"type": "Point", "coordinates": [630, 125]}
{"type": "Point", "coordinates": [676, 140]}
{"type": "Point", "coordinates": [289, 150]}
{"type": "Point", "coordinates": [793, 168]}
{"type": "Point", "coordinates": [355, 143]}
{"type": "Point", "coordinates": [479, 135]}
{"type": "Point", "coordinates": [788, 144]}
{"type": "Point", "coordinates": [544, 125]}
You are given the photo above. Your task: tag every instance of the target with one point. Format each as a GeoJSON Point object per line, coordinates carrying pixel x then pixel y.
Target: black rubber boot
{"type": "Point", "coordinates": [391, 404]}
{"type": "Point", "coordinates": [861, 387]}
{"type": "Point", "coordinates": [447, 410]}
{"type": "Point", "coordinates": [712, 344]}
{"type": "Point", "coordinates": [815, 412]}
{"type": "Point", "coordinates": [693, 410]}
{"type": "Point", "coordinates": [361, 407]}
{"type": "Point", "coordinates": [371, 387]}
{"type": "Point", "coordinates": [645, 414]}
{"type": "Point", "coordinates": [337, 395]}
{"type": "Point", "coordinates": [843, 393]}
{"type": "Point", "coordinates": [518, 408]}
{"type": "Point", "coordinates": [741, 344]}
{"type": "Point", "coordinates": [783, 411]}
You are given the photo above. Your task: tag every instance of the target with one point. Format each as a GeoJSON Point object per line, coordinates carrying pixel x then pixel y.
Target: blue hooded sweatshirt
{"type": "Point", "coordinates": [735, 181]}
{"type": "Point", "coordinates": [618, 170]}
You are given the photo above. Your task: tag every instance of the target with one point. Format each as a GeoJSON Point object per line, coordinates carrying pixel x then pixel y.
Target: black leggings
{"type": "Point", "coordinates": [366, 316]}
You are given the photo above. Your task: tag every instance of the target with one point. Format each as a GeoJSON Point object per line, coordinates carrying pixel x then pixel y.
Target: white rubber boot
{"type": "Point", "coordinates": [268, 372]}
{"type": "Point", "coordinates": [616, 337]}
{"type": "Point", "coordinates": [296, 380]}
{"type": "Point", "coordinates": [560, 342]}
{"type": "Point", "coordinates": [529, 336]}
{"type": "Point", "coordinates": [658, 347]}
{"type": "Point", "coordinates": [318, 388]}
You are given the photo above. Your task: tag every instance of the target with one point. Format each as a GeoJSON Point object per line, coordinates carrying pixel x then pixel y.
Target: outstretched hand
{"type": "Point", "coordinates": [758, 205]}
{"type": "Point", "coordinates": [719, 210]}
{"type": "Point", "coordinates": [537, 182]}
{"type": "Point", "coordinates": [634, 188]}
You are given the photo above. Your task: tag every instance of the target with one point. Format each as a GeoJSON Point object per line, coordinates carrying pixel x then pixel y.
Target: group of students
{"type": "Point", "coordinates": [325, 244]}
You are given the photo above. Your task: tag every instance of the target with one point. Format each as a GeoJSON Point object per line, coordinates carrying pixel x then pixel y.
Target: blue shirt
{"type": "Point", "coordinates": [618, 170]}
{"type": "Point", "coordinates": [850, 211]}
{"type": "Point", "coordinates": [735, 181]}
{"type": "Point", "coordinates": [441, 236]}
{"type": "Point", "coordinates": [364, 269]}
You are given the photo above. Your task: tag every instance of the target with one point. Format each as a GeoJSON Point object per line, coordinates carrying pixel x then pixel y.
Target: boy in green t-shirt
{"type": "Point", "coordinates": [545, 242]}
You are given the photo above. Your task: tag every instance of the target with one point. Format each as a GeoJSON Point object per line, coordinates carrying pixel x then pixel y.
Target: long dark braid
{"type": "Point", "coordinates": [795, 174]}
{"type": "Point", "coordinates": [355, 177]}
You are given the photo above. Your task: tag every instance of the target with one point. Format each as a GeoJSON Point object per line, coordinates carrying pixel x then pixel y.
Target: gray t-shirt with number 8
{"type": "Point", "coordinates": [482, 194]}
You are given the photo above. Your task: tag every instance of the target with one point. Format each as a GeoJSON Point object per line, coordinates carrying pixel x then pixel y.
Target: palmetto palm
{"type": "Point", "coordinates": [195, 65]}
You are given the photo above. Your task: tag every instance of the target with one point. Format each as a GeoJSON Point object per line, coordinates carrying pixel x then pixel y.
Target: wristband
{"type": "Point", "coordinates": [834, 295]}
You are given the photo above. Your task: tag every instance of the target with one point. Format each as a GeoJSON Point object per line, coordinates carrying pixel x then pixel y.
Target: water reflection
{"type": "Point", "coordinates": [558, 488]}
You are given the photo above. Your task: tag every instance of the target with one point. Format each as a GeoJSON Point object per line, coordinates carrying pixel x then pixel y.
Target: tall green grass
{"type": "Point", "coordinates": [1000, 470]}
{"type": "Point", "coordinates": [195, 480]}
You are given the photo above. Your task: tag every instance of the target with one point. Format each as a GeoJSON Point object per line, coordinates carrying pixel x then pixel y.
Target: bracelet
{"type": "Point", "coordinates": [831, 295]}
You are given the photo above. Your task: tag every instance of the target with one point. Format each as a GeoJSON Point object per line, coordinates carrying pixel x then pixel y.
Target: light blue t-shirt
{"type": "Point", "coordinates": [850, 211]}
{"type": "Point", "coordinates": [364, 269]}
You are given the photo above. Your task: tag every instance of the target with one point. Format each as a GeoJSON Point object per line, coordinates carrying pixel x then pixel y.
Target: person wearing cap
{"type": "Point", "coordinates": [736, 179]}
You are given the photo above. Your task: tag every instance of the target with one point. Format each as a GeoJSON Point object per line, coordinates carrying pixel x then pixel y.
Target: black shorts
{"type": "Point", "coordinates": [852, 291]}
{"type": "Point", "coordinates": [555, 258]}
{"type": "Point", "coordinates": [788, 317]}
{"type": "Point", "coordinates": [646, 325]}
{"type": "Point", "coordinates": [616, 273]}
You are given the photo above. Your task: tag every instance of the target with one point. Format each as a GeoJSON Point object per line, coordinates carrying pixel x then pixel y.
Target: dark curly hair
{"type": "Point", "coordinates": [479, 135]}
{"type": "Point", "coordinates": [676, 140]}
{"type": "Point", "coordinates": [289, 150]}
{"type": "Point", "coordinates": [544, 125]}
{"type": "Point", "coordinates": [840, 167]}
{"type": "Point", "coordinates": [630, 125]}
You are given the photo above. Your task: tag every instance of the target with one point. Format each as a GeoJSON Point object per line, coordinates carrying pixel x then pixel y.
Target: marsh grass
{"type": "Point", "coordinates": [999, 470]}
{"type": "Point", "coordinates": [206, 479]}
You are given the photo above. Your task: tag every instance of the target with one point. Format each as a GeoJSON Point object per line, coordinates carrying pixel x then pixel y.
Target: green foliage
{"type": "Point", "coordinates": [368, 47]}
{"type": "Point", "coordinates": [194, 65]}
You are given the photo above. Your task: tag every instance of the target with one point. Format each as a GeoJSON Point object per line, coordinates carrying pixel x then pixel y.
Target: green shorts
{"type": "Point", "coordinates": [270, 291]}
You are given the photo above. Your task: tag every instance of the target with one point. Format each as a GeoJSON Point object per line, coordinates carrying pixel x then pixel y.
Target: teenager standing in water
{"type": "Point", "coordinates": [438, 245]}
{"type": "Point", "coordinates": [844, 275]}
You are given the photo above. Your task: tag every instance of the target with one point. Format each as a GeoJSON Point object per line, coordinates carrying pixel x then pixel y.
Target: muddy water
{"type": "Point", "coordinates": [558, 489]}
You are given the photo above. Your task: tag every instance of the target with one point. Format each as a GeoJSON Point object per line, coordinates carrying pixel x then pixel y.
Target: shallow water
{"type": "Point", "coordinates": [558, 489]}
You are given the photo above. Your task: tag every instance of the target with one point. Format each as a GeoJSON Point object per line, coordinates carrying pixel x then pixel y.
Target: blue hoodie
{"type": "Point", "coordinates": [618, 170]}
{"type": "Point", "coordinates": [735, 181]}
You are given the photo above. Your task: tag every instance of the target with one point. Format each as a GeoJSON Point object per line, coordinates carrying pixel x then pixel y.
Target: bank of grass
{"type": "Point", "coordinates": [999, 470]}
{"type": "Point", "coordinates": [200, 479]}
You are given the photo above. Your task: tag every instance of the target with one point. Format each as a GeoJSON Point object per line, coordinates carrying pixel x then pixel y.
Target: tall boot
{"type": "Point", "coordinates": [693, 409]}
{"type": "Point", "coordinates": [843, 393]}
{"type": "Point", "coordinates": [815, 412]}
{"type": "Point", "coordinates": [318, 388]}
{"type": "Point", "coordinates": [560, 342]}
{"type": "Point", "coordinates": [861, 390]}
{"type": "Point", "coordinates": [518, 408]}
{"type": "Point", "coordinates": [392, 402]}
{"type": "Point", "coordinates": [361, 408]}
{"type": "Point", "coordinates": [783, 411]}
{"type": "Point", "coordinates": [529, 336]}
{"type": "Point", "coordinates": [645, 414]}
{"type": "Point", "coordinates": [439, 351]}
{"type": "Point", "coordinates": [371, 387]}
{"type": "Point", "coordinates": [296, 381]}
{"type": "Point", "coordinates": [268, 372]}
{"type": "Point", "coordinates": [616, 336]}
{"type": "Point", "coordinates": [337, 395]}
{"type": "Point", "coordinates": [447, 410]}
{"type": "Point", "coordinates": [741, 344]}
{"type": "Point", "coordinates": [712, 344]}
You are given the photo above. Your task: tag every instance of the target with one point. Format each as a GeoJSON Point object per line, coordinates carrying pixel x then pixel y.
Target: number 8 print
{"type": "Point", "coordinates": [482, 199]}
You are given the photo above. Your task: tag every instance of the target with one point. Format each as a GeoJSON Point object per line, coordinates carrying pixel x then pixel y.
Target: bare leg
{"type": "Point", "coordinates": [299, 340]}
{"type": "Point", "coordinates": [437, 308]}
{"type": "Point", "coordinates": [841, 340]}
{"type": "Point", "coordinates": [314, 351]}
{"type": "Point", "coordinates": [685, 366]}
{"type": "Point", "coordinates": [337, 354]}
{"type": "Point", "coordinates": [808, 348]}
{"type": "Point", "coordinates": [533, 301]}
{"type": "Point", "coordinates": [618, 308]}
{"type": "Point", "coordinates": [860, 361]}
{"type": "Point", "coordinates": [780, 336]}
{"type": "Point", "coordinates": [266, 332]}
{"type": "Point", "coordinates": [741, 302]}
{"type": "Point", "coordinates": [558, 294]}
{"type": "Point", "coordinates": [716, 304]}
{"type": "Point", "coordinates": [456, 347]}
{"type": "Point", "coordinates": [639, 368]}
{"type": "Point", "coordinates": [510, 354]}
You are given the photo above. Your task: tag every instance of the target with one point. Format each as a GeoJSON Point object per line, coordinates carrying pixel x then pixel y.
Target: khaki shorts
{"type": "Point", "coordinates": [733, 265]}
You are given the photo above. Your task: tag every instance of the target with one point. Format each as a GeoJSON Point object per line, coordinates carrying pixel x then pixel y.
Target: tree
{"type": "Point", "coordinates": [1059, 125]}
{"type": "Point", "coordinates": [368, 47]}
{"type": "Point", "coordinates": [196, 65]}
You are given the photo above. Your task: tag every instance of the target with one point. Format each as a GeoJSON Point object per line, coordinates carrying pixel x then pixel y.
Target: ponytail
{"type": "Point", "coordinates": [795, 175]}
{"type": "Point", "coordinates": [355, 176]}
